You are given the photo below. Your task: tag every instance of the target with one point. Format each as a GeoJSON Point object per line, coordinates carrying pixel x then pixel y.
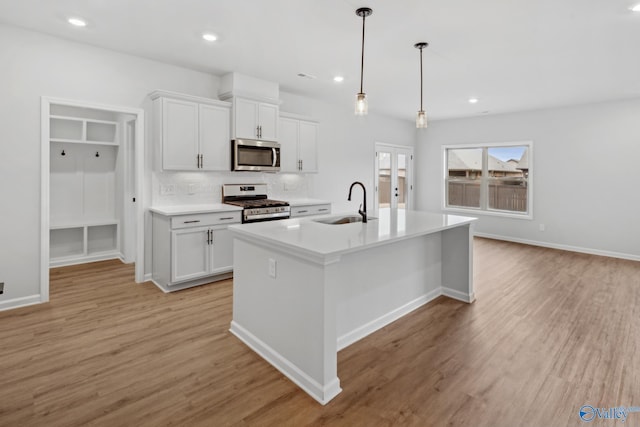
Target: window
{"type": "Point", "coordinates": [492, 177]}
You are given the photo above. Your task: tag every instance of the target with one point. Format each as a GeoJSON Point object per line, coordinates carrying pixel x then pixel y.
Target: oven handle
{"type": "Point", "coordinates": [275, 157]}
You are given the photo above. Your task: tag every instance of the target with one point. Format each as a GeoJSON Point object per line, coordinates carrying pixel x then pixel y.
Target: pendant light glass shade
{"type": "Point", "coordinates": [362, 107]}
{"type": "Point", "coordinates": [421, 117]}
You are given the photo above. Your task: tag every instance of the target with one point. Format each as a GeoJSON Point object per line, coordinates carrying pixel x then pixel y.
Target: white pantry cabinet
{"type": "Point", "coordinates": [190, 250]}
{"type": "Point", "coordinates": [193, 132]}
{"type": "Point", "coordinates": [298, 145]}
{"type": "Point", "coordinates": [253, 119]}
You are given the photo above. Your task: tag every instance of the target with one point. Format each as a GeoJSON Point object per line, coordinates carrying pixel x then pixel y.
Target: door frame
{"type": "Point", "coordinates": [394, 149]}
{"type": "Point", "coordinates": [45, 188]}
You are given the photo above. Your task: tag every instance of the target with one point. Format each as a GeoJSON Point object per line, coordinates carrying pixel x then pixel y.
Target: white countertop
{"type": "Point", "coordinates": [193, 209]}
{"type": "Point", "coordinates": [307, 202]}
{"type": "Point", "coordinates": [308, 237]}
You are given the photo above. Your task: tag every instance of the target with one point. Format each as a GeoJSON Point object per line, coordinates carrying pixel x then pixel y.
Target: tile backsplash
{"type": "Point", "coordinates": [188, 188]}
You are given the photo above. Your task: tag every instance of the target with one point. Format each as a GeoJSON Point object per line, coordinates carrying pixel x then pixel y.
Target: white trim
{"type": "Point", "coordinates": [483, 210]}
{"type": "Point", "coordinates": [22, 301]}
{"type": "Point", "coordinates": [74, 260]}
{"type": "Point", "coordinates": [322, 394]}
{"type": "Point", "coordinates": [382, 321]}
{"type": "Point", "coordinates": [561, 247]}
{"type": "Point", "coordinates": [45, 189]}
{"type": "Point", "coordinates": [45, 150]}
{"type": "Point", "coordinates": [460, 296]}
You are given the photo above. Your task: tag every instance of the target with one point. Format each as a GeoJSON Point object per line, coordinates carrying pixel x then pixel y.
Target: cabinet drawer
{"type": "Point", "coordinates": [311, 210]}
{"type": "Point", "coordinates": [206, 220]}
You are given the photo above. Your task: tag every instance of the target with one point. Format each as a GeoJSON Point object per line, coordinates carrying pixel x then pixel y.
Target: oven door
{"type": "Point", "coordinates": [257, 156]}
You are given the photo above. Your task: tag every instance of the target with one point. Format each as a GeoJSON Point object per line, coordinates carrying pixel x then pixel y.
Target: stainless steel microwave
{"type": "Point", "coordinates": [256, 156]}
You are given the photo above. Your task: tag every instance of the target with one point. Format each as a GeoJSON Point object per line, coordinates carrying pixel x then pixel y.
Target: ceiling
{"type": "Point", "coordinates": [512, 55]}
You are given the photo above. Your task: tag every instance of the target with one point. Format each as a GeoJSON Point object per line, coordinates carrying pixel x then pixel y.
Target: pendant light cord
{"type": "Point", "coordinates": [362, 56]}
{"type": "Point", "coordinates": [421, 79]}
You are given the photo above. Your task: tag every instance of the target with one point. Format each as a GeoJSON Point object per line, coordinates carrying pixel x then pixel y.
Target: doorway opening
{"type": "Point", "coordinates": [92, 169]}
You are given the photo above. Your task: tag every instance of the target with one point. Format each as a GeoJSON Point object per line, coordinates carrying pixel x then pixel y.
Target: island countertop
{"type": "Point", "coordinates": [306, 236]}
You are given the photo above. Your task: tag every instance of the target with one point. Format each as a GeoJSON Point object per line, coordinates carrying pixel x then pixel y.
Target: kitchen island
{"type": "Point", "coordinates": [303, 289]}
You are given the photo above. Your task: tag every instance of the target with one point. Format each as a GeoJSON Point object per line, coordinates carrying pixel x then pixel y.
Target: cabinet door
{"type": "Point", "coordinates": [268, 121]}
{"type": "Point", "coordinates": [214, 138]}
{"type": "Point", "coordinates": [190, 257]}
{"type": "Point", "coordinates": [179, 135]}
{"type": "Point", "coordinates": [288, 145]}
{"type": "Point", "coordinates": [308, 146]}
{"type": "Point", "coordinates": [245, 118]}
{"type": "Point", "coordinates": [221, 251]}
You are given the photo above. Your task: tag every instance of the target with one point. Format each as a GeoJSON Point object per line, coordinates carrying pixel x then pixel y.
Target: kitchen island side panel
{"type": "Point", "coordinates": [457, 263]}
{"type": "Point", "coordinates": [378, 285]}
{"type": "Point", "coordinates": [286, 318]}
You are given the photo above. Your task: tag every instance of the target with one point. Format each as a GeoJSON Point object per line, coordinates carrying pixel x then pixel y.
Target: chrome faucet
{"type": "Point", "coordinates": [362, 212]}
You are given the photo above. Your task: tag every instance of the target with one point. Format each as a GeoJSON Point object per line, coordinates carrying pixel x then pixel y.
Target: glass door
{"type": "Point", "coordinates": [394, 181]}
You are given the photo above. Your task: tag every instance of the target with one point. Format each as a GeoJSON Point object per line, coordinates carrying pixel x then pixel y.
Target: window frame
{"type": "Point", "coordinates": [484, 182]}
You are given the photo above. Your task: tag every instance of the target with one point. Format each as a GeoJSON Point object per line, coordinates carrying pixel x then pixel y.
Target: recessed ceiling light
{"type": "Point", "coordinates": [473, 100]}
{"type": "Point", "coordinates": [636, 8]}
{"type": "Point", "coordinates": [338, 79]}
{"type": "Point", "coordinates": [210, 37]}
{"type": "Point", "coordinates": [77, 22]}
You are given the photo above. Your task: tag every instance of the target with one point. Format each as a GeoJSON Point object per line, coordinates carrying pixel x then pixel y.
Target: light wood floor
{"type": "Point", "coordinates": [550, 331]}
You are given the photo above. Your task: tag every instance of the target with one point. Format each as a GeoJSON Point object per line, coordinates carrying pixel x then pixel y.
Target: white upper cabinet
{"type": "Point", "coordinates": [180, 142]}
{"type": "Point", "coordinates": [298, 145]}
{"type": "Point", "coordinates": [215, 141]}
{"type": "Point", "coordinates": [193, 132]}
{"type": "Point", "coordinates": [254, 119]}
{"type": "Point", "coordinates": [308, 146]}
{"type": "Point", "coordinates": [288, 145]}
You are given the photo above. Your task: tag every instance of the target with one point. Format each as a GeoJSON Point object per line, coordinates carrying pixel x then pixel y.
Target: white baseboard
{"type": "Point", "coordinates": [147, 277]}
{"type": "Point", "coordinates": [65, 262]}
{"type": "Point", "coordinates": [322, 394]}
{"type": "Point", "coordinates": [569, 248]}
{"type": "Point", "coordinates": [20, 302]}
{"type": "Point", "coordinates": [460, 296]}
{"type": "Point", "coordinates": [382, 321]}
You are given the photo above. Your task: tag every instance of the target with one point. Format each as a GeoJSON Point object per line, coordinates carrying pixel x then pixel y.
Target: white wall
{"type": "Point", "coordinates": [585, 179]}
{"type": "Point", "coordinates": [346, 151]}
{"type": "Point", "coordinates": [34, 65]}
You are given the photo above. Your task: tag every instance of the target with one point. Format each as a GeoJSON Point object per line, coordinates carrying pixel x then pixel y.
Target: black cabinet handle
{"type": "Point", "coordinates": [225, 218]}
{"type": "Point", "coordinates": [192, 221]}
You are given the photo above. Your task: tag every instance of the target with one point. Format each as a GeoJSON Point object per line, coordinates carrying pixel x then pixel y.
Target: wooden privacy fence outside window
{"type": "Point", "coordinates": [509, 195]}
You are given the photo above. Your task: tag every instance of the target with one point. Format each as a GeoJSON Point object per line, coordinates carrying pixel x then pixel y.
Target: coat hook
{"type": "Point", "coordinates": [63, 153]}
{"type": "Point", "coordinates": [97, 154]}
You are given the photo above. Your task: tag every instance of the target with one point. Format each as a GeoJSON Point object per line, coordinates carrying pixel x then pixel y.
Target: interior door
{"type": "Point", "coordinates": [394, 179]}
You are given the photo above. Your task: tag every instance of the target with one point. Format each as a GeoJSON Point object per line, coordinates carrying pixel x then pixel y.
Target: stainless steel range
{"type": "Point", "coordinates": [253, 198]}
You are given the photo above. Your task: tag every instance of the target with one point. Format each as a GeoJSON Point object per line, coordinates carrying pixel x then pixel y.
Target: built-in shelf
{"type": "Point", "coordinates": [77, 130]}
{"type": "Point", "coordinates": [86, 185]}
{"type": "Point", "coordinates": [83, 242]}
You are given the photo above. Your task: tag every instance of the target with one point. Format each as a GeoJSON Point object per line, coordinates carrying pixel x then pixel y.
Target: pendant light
{"type": "Point", "coordinates": [361, 98]}
{"type": "Point", "coordinates": [421, 118]}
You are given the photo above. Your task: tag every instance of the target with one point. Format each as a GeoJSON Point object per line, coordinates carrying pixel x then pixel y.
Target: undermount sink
{"type": "Point", "coordinates": [342, 219]}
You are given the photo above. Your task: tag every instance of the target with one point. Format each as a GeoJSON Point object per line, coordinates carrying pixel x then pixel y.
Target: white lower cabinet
{"type": "Point", "coordinates": [190, 250]}
{"type": "Point", "coordinates": [319, 209]}
{"type": "Point", "coordinates": [200, 252]}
